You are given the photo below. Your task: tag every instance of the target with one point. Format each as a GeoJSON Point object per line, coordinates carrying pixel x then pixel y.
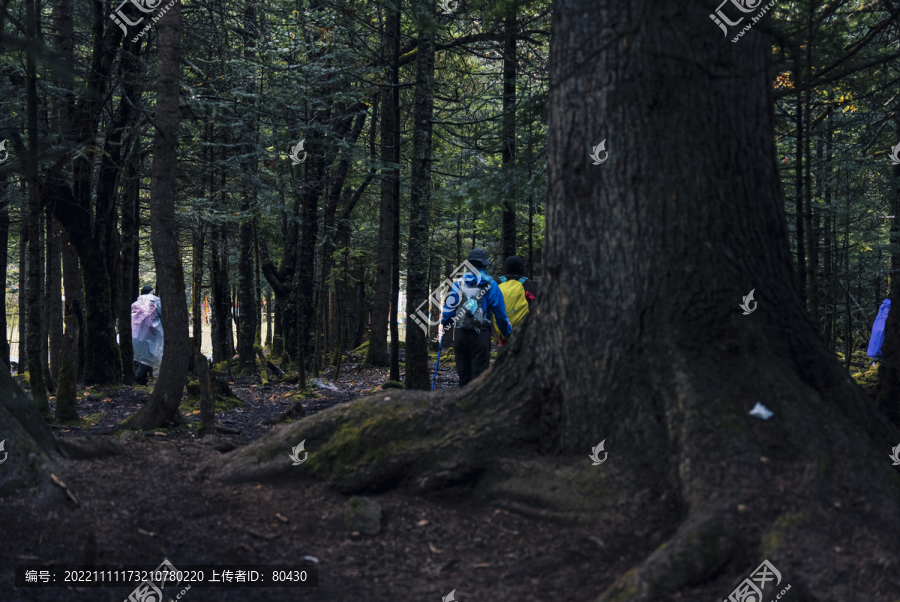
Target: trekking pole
{"type": "Point", "coordinates": [440, 346]}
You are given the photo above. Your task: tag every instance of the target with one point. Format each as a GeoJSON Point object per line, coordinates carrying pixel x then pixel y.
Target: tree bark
{"type": "Point", "coordinates": [128, 292]}
{"type": "Point", "coordinates": [220, 310]}
{"type": "Point", "coordinates": [377, 354]}
{"type": "Point", "coordinates": [75, 301]}
{"type": "Point", "coordinates": [4, 251]}
{"type": "Point", "coordinates": [508, 135]}
{"type": "Point", "coordinates": [668, 368]}
{"type": "Point", "coordinates": [197, 288]}
{"type": "Point", "coordinates": [23, 293]}
{"type": "Point", "coordinates": [417, 376]}
{"type": "Point", "coordinates": [34, 284]}
{"type": "Point", "coordinates": [162, 407]}
{"type": "Point", "coordinates": [53, 296]}
{"type": "Point", "coordinates": [799, 197]}
{"type": "Point", "coordinates": [66, 393]}
{"type": "Point", "coordinates": [246, 284]}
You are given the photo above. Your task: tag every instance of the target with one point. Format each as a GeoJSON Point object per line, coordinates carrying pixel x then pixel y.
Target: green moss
{"type": "Point", "coordinates": [85, 422]}
{"type": "Point", "coordinates": [623, 589]}
{"type": "Point", "coordinates": [392, 384]}
{"type": "Point", "coordinates": [771, 541]}
{"type": "Point", "coordinates": [791, 520]}
{"type": "Point", "coordinates": [344, 452]}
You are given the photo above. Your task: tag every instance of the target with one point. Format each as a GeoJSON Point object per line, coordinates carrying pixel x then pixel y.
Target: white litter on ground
{"type": "Point", "coordinates": [323, 385]}
{"type": "Point", "coordinates": [761, 411]}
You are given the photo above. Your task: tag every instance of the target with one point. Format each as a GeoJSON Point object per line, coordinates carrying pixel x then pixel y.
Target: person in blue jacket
{"type": "Point", "coordinates": [474, 302]}
{"type": "Point", "coordinates": [877, 337]}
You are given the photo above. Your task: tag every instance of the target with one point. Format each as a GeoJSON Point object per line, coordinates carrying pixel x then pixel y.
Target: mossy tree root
{"type": "Point", "coordinates": [403, 438]}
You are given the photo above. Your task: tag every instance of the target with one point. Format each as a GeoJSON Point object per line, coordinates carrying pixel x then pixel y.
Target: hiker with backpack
{"type": "Point", "coordinates": [518, 293]}
{"type": "Point", "coordinates": [146, 333]}
{"type": "Point", "coordinates": [474, 303]}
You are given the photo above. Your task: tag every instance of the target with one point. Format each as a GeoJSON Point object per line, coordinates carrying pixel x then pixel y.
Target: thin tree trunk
{"type": "Point", "coordinates": [197, 288]}
{"type": "Point", "coordinates": [163, 404]}
{"type": "Point", "coordinates": [798, 180]}
{"type": "Point", "coordinates": [128, 290]}
{"type": "Point", "coordinates": [246, 285]}
{"type": "Point", "coordinates": [53, 286]}
{"type": "Point", "coordinates": [220, 307]}
{"type": "Point", "coordinates": [812, 288]}
{"type": "Point", "coordinates": [257, 294]}
{"type": "Point", "coordinates": [377, 354]}
{"type": "Point", "coordinates": [508, 134]}
{"type": "Point", "coordinates": [23, 293]}
{"type": "Point", "coordinates": [4, 251]}
{"type": "Point", "coordinates": [34, 294]}
{"type": "Point", "coordinates": [269, 320]}
{"type": "Point", "coordinates": [417, 376]}
{"type": "Point", "coordinates": [75, 302]}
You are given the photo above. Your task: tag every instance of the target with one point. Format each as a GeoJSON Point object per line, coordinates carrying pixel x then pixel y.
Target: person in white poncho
{"type": "Point", "coordinates": [146, 333]}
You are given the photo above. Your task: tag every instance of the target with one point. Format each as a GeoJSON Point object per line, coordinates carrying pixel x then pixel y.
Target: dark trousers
{"type": "Point", "coordinates": [140, 377]}
{"type": "Point", "coordinates": [473, 353]}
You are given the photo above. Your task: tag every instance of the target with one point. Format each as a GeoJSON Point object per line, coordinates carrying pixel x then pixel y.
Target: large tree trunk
{"type": "Point", "coordinates": [667, 368]}
{"type": "Point", "coordinates": [417, 376]}
{"type": "Point", "coordinates": [173, 372]}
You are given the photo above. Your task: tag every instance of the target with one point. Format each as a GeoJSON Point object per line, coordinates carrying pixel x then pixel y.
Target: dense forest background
{"type": "Point", "coordinates": [423, 130]}
{"type": "Point", "coordinates": [322, 245]}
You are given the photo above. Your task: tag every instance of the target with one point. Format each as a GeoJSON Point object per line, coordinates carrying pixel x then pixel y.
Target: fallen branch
{"type": "Point", "coordinates": [275, 369]}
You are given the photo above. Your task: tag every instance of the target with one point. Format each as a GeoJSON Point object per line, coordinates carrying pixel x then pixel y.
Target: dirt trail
{"type": "Point", "coordinates": [153, 503]}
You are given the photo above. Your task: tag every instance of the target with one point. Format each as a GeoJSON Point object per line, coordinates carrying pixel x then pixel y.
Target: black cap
{"type": "Point", "coordinates": [479, 257]}
{"type": "Point", "coordinates": [146, 290]}
{"type": "Point", "coordinates": [515, 266]}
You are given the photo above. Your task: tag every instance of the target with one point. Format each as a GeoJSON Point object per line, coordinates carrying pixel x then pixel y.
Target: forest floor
{"type": "Point", "coordinates": [153, 502]}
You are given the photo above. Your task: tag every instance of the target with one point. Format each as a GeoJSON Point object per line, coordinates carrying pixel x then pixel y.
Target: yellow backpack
{"type": "Point", "coordinates": [514, 299]}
